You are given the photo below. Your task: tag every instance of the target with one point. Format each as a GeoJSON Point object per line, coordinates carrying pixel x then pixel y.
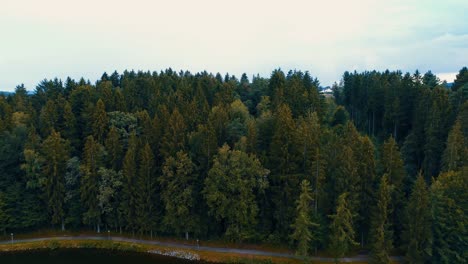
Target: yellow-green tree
{"type": "Point", "coordinates": [302, 225]}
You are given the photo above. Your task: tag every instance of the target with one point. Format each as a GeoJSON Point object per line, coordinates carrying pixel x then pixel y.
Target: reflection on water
{"type": "Point", "coordinates": [87, 256]}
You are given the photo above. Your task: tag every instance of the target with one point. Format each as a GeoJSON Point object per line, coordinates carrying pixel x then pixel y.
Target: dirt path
{"type": "Point", "coordinates": [359, 258]}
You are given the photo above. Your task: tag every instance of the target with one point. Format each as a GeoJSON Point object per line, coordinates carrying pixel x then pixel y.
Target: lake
{"type": "Point", "coordinates": [88, 256]}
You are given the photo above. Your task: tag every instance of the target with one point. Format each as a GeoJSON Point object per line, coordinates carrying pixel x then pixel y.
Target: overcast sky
{"type": "Point", "coordinates": [59, 38]}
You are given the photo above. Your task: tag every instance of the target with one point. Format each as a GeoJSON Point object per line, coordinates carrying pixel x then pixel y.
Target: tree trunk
{"type": "Point", "coordinates": [63, 225]}
{"type": "Point", "coordinates": [98, 228]}
{"type": "Point", "coordinates": [186, 235]}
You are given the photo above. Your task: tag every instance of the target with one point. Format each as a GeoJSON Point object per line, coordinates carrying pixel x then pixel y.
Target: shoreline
{"type": "Point", "coordinates": [189, 252]}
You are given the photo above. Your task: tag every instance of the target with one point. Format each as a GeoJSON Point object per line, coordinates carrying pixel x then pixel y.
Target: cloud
{"type": "Point", "coordinates": [49, 38]}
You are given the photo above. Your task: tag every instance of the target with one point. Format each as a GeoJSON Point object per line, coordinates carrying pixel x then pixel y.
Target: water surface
{"type": "Point", "coordinates": [86, 256]}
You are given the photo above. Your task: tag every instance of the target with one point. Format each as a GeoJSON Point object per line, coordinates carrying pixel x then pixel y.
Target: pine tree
{"type": "Point", "coordinates": [92, 160]}
{"type": "Point", "coordinates": [381, 234]}
{"type": "Point", "coordinates": [392, 165]}
{"type": "Point", "coordinates": [48, 118]}
{"type": "Point", "coordinates": [418, 227]}
{"type": "Point", "coordinates": [178, 193]}
{"type": "Point", "coordinates": [55, 151]}
{"type": "Point", "coordinates": [367, 174]}
{"type": "Point", "coordinates": [342, 237]}
{"type": "Point", "coordinates": [145, 190]}
{"type": "Point", "coordinates": [3, 214]}
{"type": "Point", "coordinates": [129, 171]}
{"type": "Point", "coordinates": [308, 135]}
{"type": "Point", "coordinates": [282, 144]}
{"type": "Point", "coordinates": [456, 151]}
{"type": "Point", "coordinates": [114, 148]}
{"type": "Point", "coordinates": [100, 121]}
{"type": "Point", "coordinates": [303, 224]}
{"type": "Point", "coordinates": [174, 135]}
{"type": "Point", "coordinates": [69, 123]}
{"type": "Point", "coordinates": [449, 212]}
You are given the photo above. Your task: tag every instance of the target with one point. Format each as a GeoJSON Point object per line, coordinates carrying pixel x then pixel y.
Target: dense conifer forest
{"type": "Point", "coordinates": [380, 165]}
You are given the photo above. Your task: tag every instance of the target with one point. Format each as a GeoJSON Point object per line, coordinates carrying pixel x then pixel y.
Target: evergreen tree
{"type": "Point", "coordinates": [342, 237]}
{"type": "Point", "coordinates": [145, 190]}
{"type": "Point", "coordinates": [174, 135]}
{"type": "Point", "coordinates": [303, 224]}
{"type": "Point", "coordinates": [392, 165]}
{"type": "Point", "coordinates": [72, 193]}
{"type": "Point", "coordinates": [114, 148]}
{"type": "Point", "coordinates": [129, 171]}
{"type": "Point", "coordinates": [449, 212]}
{"type": "Point", "coordinates": [55, 150]}
{"type": "Point", "coordinates": [367, 174]}
{"type": "Point", "coordinates": [282, 144]}
{"type": "Point", "coordinates": [418, 227]}
{"type": "Point", "coordinates": [92, 160]}
{"type": "Point", "coordinates": [456, 150]}
{"type": "Point", "coordinates": [4, 218]}
{"type": "Point", "coordinates": [381, 234]}
{"type": "Point", "coordinates": [100, 121]}
{"type": "Point", "coordinates": [179, 193]}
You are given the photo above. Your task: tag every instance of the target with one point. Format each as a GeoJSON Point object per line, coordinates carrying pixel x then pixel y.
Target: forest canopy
{"type": "Point", "coordinates": [381, 165]}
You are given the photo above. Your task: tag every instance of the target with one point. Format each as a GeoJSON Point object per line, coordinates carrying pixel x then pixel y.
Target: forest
{"type": "Point", "coordinates": [380, 166]}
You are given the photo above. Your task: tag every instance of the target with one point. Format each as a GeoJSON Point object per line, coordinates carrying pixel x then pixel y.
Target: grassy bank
{"type": "Point", "coordinates": [209, 256]}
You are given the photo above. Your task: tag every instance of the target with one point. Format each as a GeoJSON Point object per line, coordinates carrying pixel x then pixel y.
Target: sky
{"type": "Point", "coordinates": [60, 38]}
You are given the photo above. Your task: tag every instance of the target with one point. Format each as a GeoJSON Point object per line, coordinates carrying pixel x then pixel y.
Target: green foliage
{"type": "Point", "coordinates": [174, 137]}
{"type": "Point", "coordinates": [148, 144]}
{"type": "Point", "coordinates": [381, 235]}
{"type": "Point", "coordinates": [55, 150]}
{"type": "Point", "coordinates": [129, 171]}
{"type": "Point", "coordinates": [456, 152]}
{"type": "Point", "coordinates": [92, 160]}
{"type": "Point", "coordinates": [449, 212]}
{"type": "Point", "coordinates": [178, 193]}
{"type": "Point", "coordinates": [145, 186]}
{"type": "Point", "coordinates": [230, 190]}
{"type": "Point", "coordinates": [302, 225]}
{"type": "Point", "coordinates": [418, 224]}
{"type": "Point", "coordinates": [3, 214]}
{"type": "Point", "coordinates": [342, 237]}
{"type": "Point", "coordinates": [100, 121]}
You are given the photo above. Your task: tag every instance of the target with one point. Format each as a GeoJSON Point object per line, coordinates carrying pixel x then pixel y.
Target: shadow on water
{"type": "Point", "coordinates": [87, 256]}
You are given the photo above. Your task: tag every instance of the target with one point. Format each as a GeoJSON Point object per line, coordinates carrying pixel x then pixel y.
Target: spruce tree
{"type": "Point", "coordinates": [392, 165]}
{"type": "Point", "coordinates": [282, 144]}
{"type": "Point", "coordinates": [114, 148]}
{"type": "Point", "coordinates": [367, 174]}
{"type": "Point", "coordinates": [174, 137]}
{"type": "Point", "coordinates": [55, 151]}
{"type": "Point", "coordinates": [302, 225]}
{"type": "Point", "coordinates": [456, 150]}
{"type": "Point", "coordinates": [342, 237]}
{"type": "Point", "coordinates": [129, 171]}
{"type": "Point", "coordinates": [3, 214]}
{"type": "Point", "coordinates": [381, 234]}
{"type": "Point", "coordinates": [449, 212]}
{"type": "Point", "coordinates": [145, 190]}
{"type": "Point", "coordinates": [100, 121]}
{"type": "Point", "coordinates": [417, 234]}
{"type": "Point", "coordinates": [92, 160]}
